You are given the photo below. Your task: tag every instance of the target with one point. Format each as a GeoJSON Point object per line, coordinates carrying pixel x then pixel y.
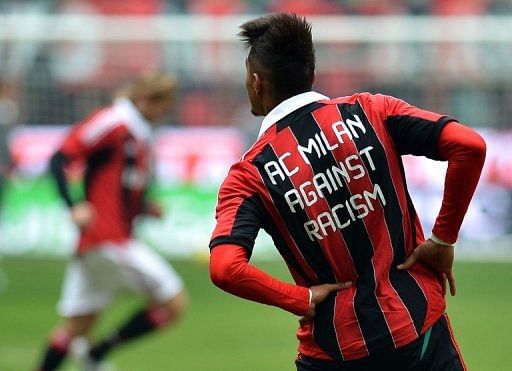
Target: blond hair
{"type": "Point", "coordinates": [153, 86]}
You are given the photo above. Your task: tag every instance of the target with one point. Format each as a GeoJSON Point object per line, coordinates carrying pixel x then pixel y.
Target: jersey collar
{"type": "Point", "coordinates": [133, 119]}
{"type": "Point", "coordinates": [288, 106]}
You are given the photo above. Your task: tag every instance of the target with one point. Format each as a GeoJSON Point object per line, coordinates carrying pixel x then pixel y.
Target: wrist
{"type": "Point", "coordinates": [306, 302]}
{"type": "Point", "coordinates": [439, 241]}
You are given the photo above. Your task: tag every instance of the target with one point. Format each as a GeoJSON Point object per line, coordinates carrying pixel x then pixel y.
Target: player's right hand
{"type": "Point", "coordinates": [83, 215]}
{"type": "Point", "coordinates": [437, 257]}
{"type": "Point", "coordinates": [319, 294]}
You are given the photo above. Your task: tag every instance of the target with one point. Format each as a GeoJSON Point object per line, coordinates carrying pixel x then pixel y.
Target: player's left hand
{"type": "Point", "coordinates": [318, 294]}
{"type": "Point", "coordinates": [436, 256]}
{"type": "Point", "coordinates": [154, 209]}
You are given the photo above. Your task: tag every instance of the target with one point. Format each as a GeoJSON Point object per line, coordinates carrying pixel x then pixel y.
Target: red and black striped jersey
{"type": "Point", "coordinates": [325, 180]}
{"type": "Point", "coordinates": [112, 143]}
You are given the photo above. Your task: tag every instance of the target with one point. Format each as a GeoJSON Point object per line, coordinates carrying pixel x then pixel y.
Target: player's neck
{"type": "Point", "coordinates": [269, 104]}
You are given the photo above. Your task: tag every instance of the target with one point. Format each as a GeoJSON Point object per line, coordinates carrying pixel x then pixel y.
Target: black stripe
{"type": "Point", "coordinates": [415, 135]}
{"type": "Point", "coordinates": [247, 222]}
{"type": "Point", "coordinates": [405, 285]}
{"type": "Point", "coordinates": [410, 208]}
{"type": "Point", "coordinates": [323, 331]}
{"type": "Point", "coordinates": [297, 114]}
{"type": "Point", "coordinates": [372, 322]}
{"type": "Point", "coordinates": [416, 303]}
{"type": "Point", "coordinates": [442, 352]}
{"type": "Point", "coordinates": [280, 243]}
{"type": "Point", "coordinates": [294, 222]}
{"type": "Point", "coordinates": [95, 163]}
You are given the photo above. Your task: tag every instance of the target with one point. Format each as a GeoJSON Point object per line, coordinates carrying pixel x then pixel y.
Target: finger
{"type": "Point", "coordinates": [339, 286]}
{"type": "Point", "coordinates": [410, 261]}
{"type": "Point", "coordinates": [451, 283]}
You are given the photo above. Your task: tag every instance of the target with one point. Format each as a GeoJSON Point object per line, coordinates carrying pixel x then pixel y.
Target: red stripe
{"type": "Point", "coordinates": [395, 312]}
{"type": "Point", "coordinates": [350, 338]}
{"type": "Point", "coordinates": [454, 342]}
{"type": "Point", "coordinates": [349, 333]}
{"type": "Point", "coordinates": [396, 175]}
{"type": "Point", "coordinates": [339, 258]}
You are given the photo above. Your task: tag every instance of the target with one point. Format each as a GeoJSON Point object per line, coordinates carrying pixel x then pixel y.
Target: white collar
{"type": "Point", "coordinates": [133, 119]}
{"type": "Point", "coordinates": [288, 106]}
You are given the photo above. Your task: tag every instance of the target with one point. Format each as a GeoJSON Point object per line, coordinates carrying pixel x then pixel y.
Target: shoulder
{"type": "Point", "coordinates": [242, 180]}
{"type": "Point", "coordinates": [101, 124]}
{"type": "Point", "coordinates": [363, 98]}
{"type": "Point", "coordinates": [374, 105]}
{"type": "Point", "coordinates": [237, 174]}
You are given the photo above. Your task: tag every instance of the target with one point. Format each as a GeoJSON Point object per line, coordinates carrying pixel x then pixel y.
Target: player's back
{"type": "Point", "coordinates": [116, 173]}
{"type": "Point", "coordinates": [333, 185]}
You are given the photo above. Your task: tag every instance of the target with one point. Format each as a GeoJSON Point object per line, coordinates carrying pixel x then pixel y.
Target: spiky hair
{"type": "Point", "coordinates": [282, 45]}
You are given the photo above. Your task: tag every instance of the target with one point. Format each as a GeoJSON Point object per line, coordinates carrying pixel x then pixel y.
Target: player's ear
{"type": "Point", "coordinates": [314, 77]}
{"type": "Point", "coordinates": [257, 83]}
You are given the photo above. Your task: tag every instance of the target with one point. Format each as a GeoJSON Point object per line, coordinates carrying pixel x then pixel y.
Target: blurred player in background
{"type": "Point", "coordinates": [113, 143]}
{"type": "Point", "coordinates": [325, 180]}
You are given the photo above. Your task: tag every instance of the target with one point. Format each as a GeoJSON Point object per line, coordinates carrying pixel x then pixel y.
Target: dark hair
{"type": "Point", "coordinates": [281, 44]}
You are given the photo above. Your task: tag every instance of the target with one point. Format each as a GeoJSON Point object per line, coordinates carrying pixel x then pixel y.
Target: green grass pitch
{"type": "Point", "coordinates": [223, 333]}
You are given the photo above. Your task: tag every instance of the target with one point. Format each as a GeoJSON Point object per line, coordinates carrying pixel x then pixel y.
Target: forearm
{"type": "Point", "coordinates": [57, 163]}
{"type": "Point", "coordinates": [230, 271]}
{"type": "Point", "coordinates": [465, 151]}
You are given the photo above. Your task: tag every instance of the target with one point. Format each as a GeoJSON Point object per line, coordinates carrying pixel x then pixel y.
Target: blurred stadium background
{"type": "Point", "coordinates": [61, 59]}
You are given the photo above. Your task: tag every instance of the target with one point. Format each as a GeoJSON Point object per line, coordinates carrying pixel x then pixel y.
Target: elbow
{"type": "Point", "coordinates": [470, 146]}
{"type": "Point", "coordinates": [463, 144]}
{"type": "Point", "coordinates": [222, 278]}
{"type": "Point", "coordinates": [227, 266]}
{"type": "Point", "coordinates": [220, 272]}
{"type": "Point", "coordinates": [217, 277]}
{"type": "Point", "coordinates": [478, 148]}
{"type": "Point", "coordinates": [482, 147]}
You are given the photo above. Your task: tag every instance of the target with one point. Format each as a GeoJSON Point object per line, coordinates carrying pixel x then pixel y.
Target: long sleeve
{"type": "Point", "coordinates": [465, 151]}
{"type": "Point", "coordinates": [57, 163]}
{"type": "Point", "coordinates": [230, 271]}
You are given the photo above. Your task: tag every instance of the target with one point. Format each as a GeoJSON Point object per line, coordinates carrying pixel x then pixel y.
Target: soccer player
{"type": "Point", "coordinates": [325, 180]}
{"type": "Point", "coordinates": [113, 143]}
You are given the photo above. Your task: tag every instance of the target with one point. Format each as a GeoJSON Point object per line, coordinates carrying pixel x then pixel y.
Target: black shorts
{"type": "Point", "coordinates": [435, 350]}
